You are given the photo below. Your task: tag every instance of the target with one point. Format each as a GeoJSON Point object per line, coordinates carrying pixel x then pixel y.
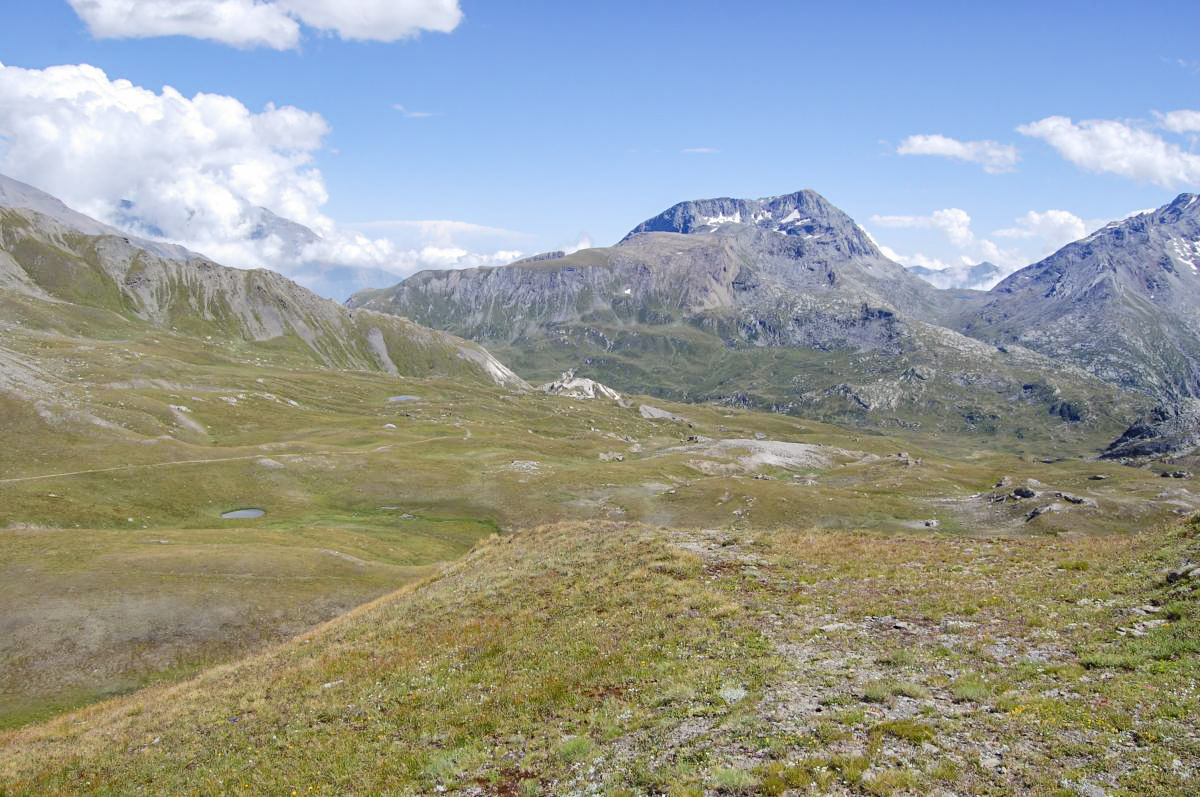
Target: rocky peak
{"type": "Point", "coordinates": [1184, 207]}
{"type": "Point", "coordinates": [1122, 302]}
{"type": "Point", "coordinates": [804, 214]}
{"type": "Point", "coordinates": [1144, 254]}
{"type": "Point", "coordinates": [24, 198]}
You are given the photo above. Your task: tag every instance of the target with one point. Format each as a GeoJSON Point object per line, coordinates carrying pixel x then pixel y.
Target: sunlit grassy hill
{"type": "Point", "coordinates": [619, 658]}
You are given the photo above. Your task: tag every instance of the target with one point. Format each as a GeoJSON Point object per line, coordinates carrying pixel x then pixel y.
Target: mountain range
{"type": "Point", "coordinates": [782, 303]}
{"type": "Point", "coordinates": [66, 272]}
{"type": "Point", "coordinates": [1124, 303]}
{"type": "Point", "coordinates": [785, 303]}
{"type": "Point", "coordinates": [202, 462]}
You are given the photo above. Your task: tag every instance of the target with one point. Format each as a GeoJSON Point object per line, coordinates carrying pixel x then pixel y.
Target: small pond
{"type": "Point", "coordinates": [404, 398]}
{"type": "Point", "coordinates": [239, 514]}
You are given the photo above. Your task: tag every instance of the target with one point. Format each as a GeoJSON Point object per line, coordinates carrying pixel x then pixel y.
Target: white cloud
{"type": "Point", "coordinates": [916, 259]}
{"type": "Point", "coordinates": [1133, 213]}
{"type": "Point", "coordinates": [440, 232]}
{"type": "Point", "coordinates": [1034, 235]}
{"type": "Point", "coordinates": [190, 164]}
{"type": "Point", "coordinates": [700, 151]}
{"type": "Point", "coordinates": [410, 114]}
{"type": "Point", "coordinates": [1180, 121]}
{"type": "Point", "coordinates": [241, 23]}
{"type": "Point", "coordinates": [954, 222]}
{"type": "Point", "coordinates": [1051, 229]}
{"type": "Point", "coordinates": [1117, 147]}
{"type": "Point", "coordinates": [199, 172]}
{"type": "Point", "coordinates": [266, 23]}
{"type": "Point", "coordinates": [993, 156]}
{"type": "Point", "coordinates": [584, 241]}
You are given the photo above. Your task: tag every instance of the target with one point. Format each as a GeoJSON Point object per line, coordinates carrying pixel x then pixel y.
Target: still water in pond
{"type": "Point", "coordinates": [238, 514]}
{"type": "Point", "coordinates": [405, 398]}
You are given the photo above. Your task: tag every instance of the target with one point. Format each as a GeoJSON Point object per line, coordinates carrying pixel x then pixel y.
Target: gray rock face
{"type": "Point", "coordinates": [1123, 303]}
{"type": "Point", "coordinates": [1169, 430]}
{"type": "Point", "coordinates": [804, 214]}
{"type": "Point", "coordinates": [579, 387]}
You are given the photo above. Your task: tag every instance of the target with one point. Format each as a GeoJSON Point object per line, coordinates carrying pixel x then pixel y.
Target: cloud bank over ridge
{"type": "Point", "coordinates": [205, 172]}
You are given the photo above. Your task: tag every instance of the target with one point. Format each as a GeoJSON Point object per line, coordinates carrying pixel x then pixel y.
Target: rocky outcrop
{"type": "Point", "coordinates": [1170, 430]}
{"type": "Point", "coordinates": [573, 386]}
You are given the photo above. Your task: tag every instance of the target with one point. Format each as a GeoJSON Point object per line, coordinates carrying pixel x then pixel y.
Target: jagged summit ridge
{"type": "Point", "coordinates": [805, 214]}
{"type": "Point", "coordinates": [1133, 248]}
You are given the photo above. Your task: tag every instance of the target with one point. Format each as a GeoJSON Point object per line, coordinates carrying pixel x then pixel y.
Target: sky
{"type": "Point", "coordinates": [410, 134]}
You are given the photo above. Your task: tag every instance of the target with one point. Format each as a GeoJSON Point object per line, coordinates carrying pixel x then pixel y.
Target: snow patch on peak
{"type": "Point", "coordinates": [717, 221]}
{"type": "Point", "coordinates": [1188, 252]}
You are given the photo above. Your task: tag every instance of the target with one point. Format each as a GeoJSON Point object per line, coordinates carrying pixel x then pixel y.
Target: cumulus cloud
{"type": "Point", "coordinates": [991, 155]}
{"type": "Point", "coordinates": [192, 164]}
{"type": "Point", "coordinates": [1180, 121]}
{"type": "Point", "coordinates": [1033, 236]}
{"type": "Point", "coordinates": [205, 172]}
{"type": "Point", "coordinates": [916, 259]}
{"type": "Point", "coordinates": [584, 241]}
{"type": "Point", "coordinates": [1120, 147]}
{"type": "Point", "coordinates": [1051, 229]}
{"type": "Point", "coordinates": [440, 232]}
{"type": "Point", "coordinates": [266, 23]}
{"type": "Point", "coordinates": [955, 223]}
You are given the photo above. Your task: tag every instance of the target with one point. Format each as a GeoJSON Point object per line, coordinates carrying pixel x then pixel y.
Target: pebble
{"type": "Point", "coordinates": [836, 627]}
{"type": "Point", "coordinates": [732, 694]}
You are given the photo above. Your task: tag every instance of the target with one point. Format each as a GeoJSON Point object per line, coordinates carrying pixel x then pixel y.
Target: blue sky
{"type": "Point", "coordinates": [539, 125]}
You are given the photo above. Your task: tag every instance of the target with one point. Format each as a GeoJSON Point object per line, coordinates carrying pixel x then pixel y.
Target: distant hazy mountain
{"type": "Point", "coordinates": [781, 302]}
{"type": "Point", "coordinates": [1124, 303]}
{"type": "Point", "coordinates": [980, 276]}
{"type": "Point", "coordinates": [63, 266]}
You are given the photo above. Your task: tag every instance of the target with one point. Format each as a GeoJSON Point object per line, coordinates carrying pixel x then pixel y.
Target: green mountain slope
{"type": "Point", "coordinates": [60, 273]}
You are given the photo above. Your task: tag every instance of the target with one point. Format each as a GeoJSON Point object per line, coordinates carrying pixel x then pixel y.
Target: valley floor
{"type": "Point", "coordinates": [623, 658]}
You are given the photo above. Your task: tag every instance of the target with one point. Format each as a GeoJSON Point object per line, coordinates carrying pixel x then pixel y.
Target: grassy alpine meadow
{"type": "Point", "coordinates": [623, 658]}
{"type": "Point", "coordinates": [351, 448]}
{"type": "Point", "coordinates": [119, 572]}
